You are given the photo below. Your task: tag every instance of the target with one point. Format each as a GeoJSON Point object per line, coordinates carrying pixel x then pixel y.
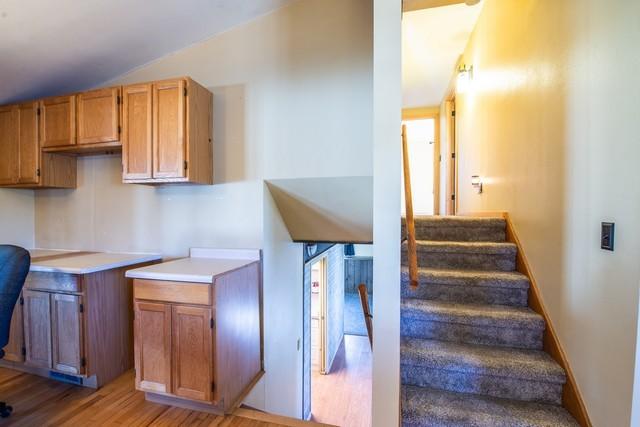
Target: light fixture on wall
{"type": "Point", "coordinates": [476, 182]}
{"type": "Point", "coordinates": [465, 75]}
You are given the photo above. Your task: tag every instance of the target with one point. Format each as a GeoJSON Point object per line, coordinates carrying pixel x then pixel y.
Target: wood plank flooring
{"type": "Point", "coordinates": [343, 397]}
{"type": "Point", "coordinates": [39, 401]}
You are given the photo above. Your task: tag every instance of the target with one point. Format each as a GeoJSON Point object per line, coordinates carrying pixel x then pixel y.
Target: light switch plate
{"type": "Point", "coordinates": [607, 235]}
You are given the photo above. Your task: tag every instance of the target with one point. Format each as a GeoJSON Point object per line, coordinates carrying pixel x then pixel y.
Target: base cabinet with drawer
{"type": "Point", "coordinates": [198, 345]}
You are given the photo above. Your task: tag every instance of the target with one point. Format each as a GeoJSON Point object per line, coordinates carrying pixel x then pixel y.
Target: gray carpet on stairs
{"type": "Point", "coordinates": [471, 348]}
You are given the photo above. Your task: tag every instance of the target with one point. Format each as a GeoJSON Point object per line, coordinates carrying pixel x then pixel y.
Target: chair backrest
{"type": "Point", "coordinates": [14, 267]}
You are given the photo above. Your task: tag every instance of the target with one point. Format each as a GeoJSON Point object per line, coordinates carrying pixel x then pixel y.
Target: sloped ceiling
{"type": "Point", "coordinates": [432, 41]}
{"type": "Point", "coordinates": [51, 47]}
{"type": "Point", "coordinates": [336, 209]}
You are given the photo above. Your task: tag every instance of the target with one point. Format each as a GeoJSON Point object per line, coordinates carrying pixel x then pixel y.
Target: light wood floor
{"type": "Point", "coordinates": [343, 397]}
{"type": "Point", "coordinates": [39, 402]}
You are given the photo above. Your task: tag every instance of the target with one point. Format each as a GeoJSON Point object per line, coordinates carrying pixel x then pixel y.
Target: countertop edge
{"type": "Point", "coordinates": [96, 269]}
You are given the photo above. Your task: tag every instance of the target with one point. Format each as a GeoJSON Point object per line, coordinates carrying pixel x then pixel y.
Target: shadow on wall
{"type": "Point", "coordinates": [229, 124]}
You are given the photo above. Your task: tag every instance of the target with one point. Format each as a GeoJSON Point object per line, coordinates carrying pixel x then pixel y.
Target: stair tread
{"type": "Point", "coordinates": [459, 221]}
{"type": "Point", "coordinates": [473, 314]}
{"type": "Point", "coordinates": [479, 359]}
{"type": "Point", "coordinates": [430, 407]}
{"type": "Point", "coordinates": [467, 247]}
{"type": "Point", "coordinates": [488, 278]}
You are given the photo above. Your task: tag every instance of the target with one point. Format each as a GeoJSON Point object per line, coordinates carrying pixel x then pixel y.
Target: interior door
{"type": "Point", "coordinates": [66, 320]}
{"type": "Point", "coordinates": [8, 145]}
{"type": "Point", "coordinates": [169, 129]}
{"type": "Point", "coordinates": [192, 352]}
{"type": "Point", "coordinates": [153, 347]}
{"type": "Point", "coordinates": [28, 145]}
{"type": "Point", "coordinates": [13, 350]}
{"type": "Point", "coordinates": [136, 132]}
{"type": "Point", "coordinates": [58, 121]}
{"type": "Point", "coordinates": [98, 116]}
{"type": "Point", "coordinates": [37, 328]}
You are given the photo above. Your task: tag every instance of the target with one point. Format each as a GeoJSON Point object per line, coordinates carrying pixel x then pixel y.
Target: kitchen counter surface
{"type": "Point", "coordinates": [86, 263]}
{"type": "Point", "coordinates": [38, 253]}
{"type": "Point", "coordinates": [202, 267]}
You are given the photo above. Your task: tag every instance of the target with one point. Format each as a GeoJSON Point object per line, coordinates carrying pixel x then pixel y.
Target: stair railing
{"type": "Point", "coordinates": [368, 318]}
{"type": "Point", "coordinates": [412, 254]}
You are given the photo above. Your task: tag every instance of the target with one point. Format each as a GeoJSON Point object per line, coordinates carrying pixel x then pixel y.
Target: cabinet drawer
{"type": "Point", "coordinates": [61, 282]}
{"type": "Point", "coordinates": [176, 292]}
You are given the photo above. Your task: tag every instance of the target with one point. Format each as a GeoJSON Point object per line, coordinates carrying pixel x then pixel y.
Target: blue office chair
{"type": "Point", "coordinates": [14, 266]}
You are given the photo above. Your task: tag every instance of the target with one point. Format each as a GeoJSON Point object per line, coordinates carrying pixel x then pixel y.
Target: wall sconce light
{"type": "Point", "coordinates": [465, 75]}
{"type": "Point", "coordinates": [476, 182]}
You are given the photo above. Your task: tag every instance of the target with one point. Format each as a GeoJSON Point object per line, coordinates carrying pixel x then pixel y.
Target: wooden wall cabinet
{"type": "Point", "coordinates": [191, 347]}
{"type": "Point", "coordinates": [98, 116]}
{"type": "Point", "coordinates": [167, 133]}
{"type": "Point", "coordinates": [58, 121]}
{"type": "Point", "coordinates": [22, 163]}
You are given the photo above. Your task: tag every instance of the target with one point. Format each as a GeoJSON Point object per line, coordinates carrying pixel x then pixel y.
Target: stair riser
{"type": "Point", "coordinates": [464, 261]}
{"type": "Point", "coordinates": [466, 294]}
{"type": "Point", "coordinates": [458, 234]}
{"type": "Point", "coordinates": [465, 382]}
{"type": "Point", "coordinates": [470, 334]}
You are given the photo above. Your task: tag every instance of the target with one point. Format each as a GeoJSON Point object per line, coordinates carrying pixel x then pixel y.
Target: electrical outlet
{"type": "Point", "coordinates": [607, 235]}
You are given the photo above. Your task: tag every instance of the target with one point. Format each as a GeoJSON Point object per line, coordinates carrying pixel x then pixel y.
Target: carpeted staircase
{"type": "Point", "coordinates": [471, 350]}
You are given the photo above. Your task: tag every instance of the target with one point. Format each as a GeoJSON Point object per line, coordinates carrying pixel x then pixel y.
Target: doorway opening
{"type": "Point", "coordinates": [336, 350]}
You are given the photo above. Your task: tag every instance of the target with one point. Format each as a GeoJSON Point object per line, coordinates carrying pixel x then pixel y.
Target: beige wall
{"type": "Point", "coordinates": [292, 98]}
{"type": "Point", "coordinates": [551, 123]}
{"type": "Point", "coordinates": [16, 217]}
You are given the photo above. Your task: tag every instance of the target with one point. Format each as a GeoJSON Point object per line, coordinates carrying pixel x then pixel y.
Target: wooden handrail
{"type": "Point", "coordinates": [412, 254]}
{"type": "Point", "coordinates": [364, 300]}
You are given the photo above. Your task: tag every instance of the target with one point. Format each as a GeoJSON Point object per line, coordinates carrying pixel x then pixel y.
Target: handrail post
{"type": "Point", "coordinates": [412, 254]}
{"type": "Point", "coordinates": [364, 300]}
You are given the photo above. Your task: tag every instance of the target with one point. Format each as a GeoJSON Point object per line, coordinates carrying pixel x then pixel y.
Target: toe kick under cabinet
{"type": "Point", "coordinates": [197, 331]}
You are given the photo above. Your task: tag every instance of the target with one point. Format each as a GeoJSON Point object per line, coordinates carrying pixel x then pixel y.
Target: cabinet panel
{"type": "Point", "coordinates": [37, 328]}
{"type": "Point", "coordinates": [66, 317]}
{"type": "Point", "coordinates": [28, 145]}
{"type": "Point", "coordinates": [136, 132]}
{"type": "Point", "coordinates": [8, 145]}
{"type": "Point", "coordinates": [13, 350]}
{"type": "Point", "coordinates": [192, 352]}
{"type": "Point", "coordinates": [169, 129]}
{"type": "Point", "coordinates": [58, 121]}
{"type": "Point", "coordinates": [98, 116]}
{"type": "Point", "coordinates": [153, 347]}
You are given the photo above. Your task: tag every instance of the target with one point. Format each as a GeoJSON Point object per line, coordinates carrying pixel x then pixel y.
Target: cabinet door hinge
{"type": "Point", "coordinates": [119, 129]}
{"type": "Point", "coordinates": [453, 197]}
{"type": "Point", "coordinates": [23, 350]}
{"type": "Point", "coordinates": [83, 362]}
{"type": "Point", "coordinates": [38, 111]}
{"type": "Point", "coordinates": [453, 155]}
{"type": "Point", "coordinates": [21, 300]}
{"type": "Point", "coordinates": [38, 172]}
{"type": "Point", "coordinates": [186, 164]}
{"type": "Point", "coordinates": [118, 99]}
{"type": "Point", "coordinates": [453, 113]}
{"type": "Point", "coordinates": [212, 323]}
{"type": "Point", "coordinates": [81, 308]}
{"type": "Point", "coordinates": [213, 386]}
{"type": "Point", "coordinates": [185, 91]}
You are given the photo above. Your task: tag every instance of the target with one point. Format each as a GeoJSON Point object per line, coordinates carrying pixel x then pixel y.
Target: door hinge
{"type": "Point", "coordinates": [185, 91]}
{"type": "Point", "coordinates": [453, 155]}
{"type": "Point", "coordinates": [119, 129]}
{"type": "Point", "coordinates": [21, 300]}
{"type": "Point", "coordinates": [83, 362]}
{"type": "Point", "coordinates": [118, 99]}
{"type": "Point", "coordinates": [453, 113]}
{"type": "Point", "coordinates": [212, 323]}
{"type": "Point", "coordinates": [186, 164]}
{"type": "Point", "coordinates": [23, 350]}
{"type": "Point", "coordinates": [81, 308]}
{"type": "Point", "coordinates": [38, 111]}
{"type": "Point", "coordinates": [213, 386]}
{"type": "Point", "coordinates": [38, 172]}
{"type": "Point", "coordinates": [453, 197]}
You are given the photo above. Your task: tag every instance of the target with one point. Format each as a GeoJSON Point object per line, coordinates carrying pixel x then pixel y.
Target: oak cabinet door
{"type": "Point", "coordinates": [8, 145]}
{"type": "Point", "coordinates": [136, 132]}
{"type": "Point", "coordinates": [13, 350]}
{"type": "Point", "coordinates": [192, 352]}
{"type": "Point", "coordinates": [98, 116]}
{"type": "Point", "coordinates": [67, 333]}
{"type": "Point", "coordinates": [37, 328]}
{"type": "Point", "coordinates": [169, 129]}
{"type": "Point", "coordinates": [153, 347]}
{"type": "Point", "coordinates": [58, 121]}
{"type": "Point", "coordinates": [28, 145]}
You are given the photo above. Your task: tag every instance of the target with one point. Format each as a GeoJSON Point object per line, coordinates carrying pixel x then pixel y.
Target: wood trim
{"type": "Point", "coordinates": [571, 397]}
{"type": "Point", "coordinates": [418, 113]}
{"type": "Point", "coordinates": [412, 5]}
{"type": "Point", "coordinates": [411, 231]}
{"type": "Point", "coordinates": [253, 414]}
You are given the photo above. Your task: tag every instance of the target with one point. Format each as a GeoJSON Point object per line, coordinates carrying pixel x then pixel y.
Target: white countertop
{"type": "Point", "coordinates": [203, 268]}
{"type": "Point", "coordinates": [90, 263]}
{"type": "Point", "coordinates": [41, 253]}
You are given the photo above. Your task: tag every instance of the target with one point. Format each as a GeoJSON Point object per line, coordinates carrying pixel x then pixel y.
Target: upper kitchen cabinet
{"type": "Point", "coordinates": [99, 116]}
{"type": "Point", "coordinates": [167, 133]}
{"type": "Point", "coordinates": [58, 121]}
{"type": "Point", "coordinates": [22, 163]}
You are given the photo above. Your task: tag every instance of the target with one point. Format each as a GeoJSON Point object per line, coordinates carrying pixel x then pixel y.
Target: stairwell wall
{"type": "Point", "coordinates": [550, 123]}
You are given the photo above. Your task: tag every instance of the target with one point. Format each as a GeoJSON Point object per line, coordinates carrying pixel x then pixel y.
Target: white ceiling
{"type": "Point", "coordinates": [50, 47]}
{"type": "Point", "coordinates": [432, 41]}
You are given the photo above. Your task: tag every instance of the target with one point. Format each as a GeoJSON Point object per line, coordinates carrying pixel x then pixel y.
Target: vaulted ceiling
{"type": "Point", "coordinates": [55, 47]}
